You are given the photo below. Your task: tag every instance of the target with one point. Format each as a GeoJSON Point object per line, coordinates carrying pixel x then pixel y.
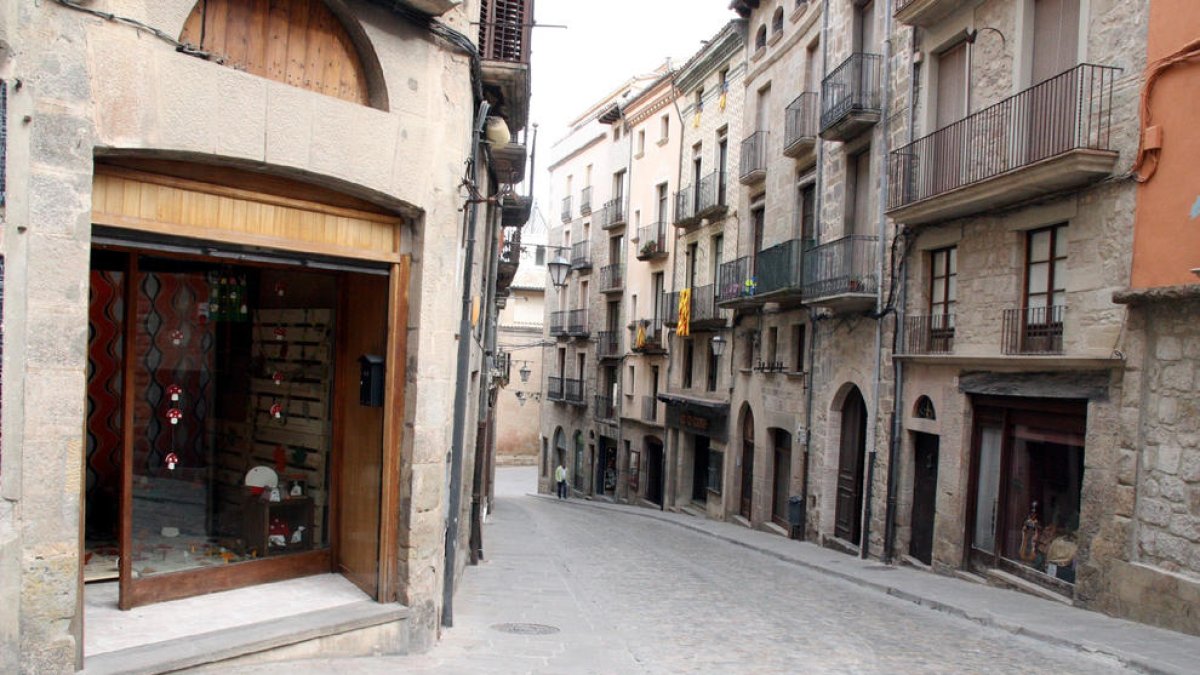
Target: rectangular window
{"type": "Point", "coordinates": [631, 381]}
{"type": "Point", "coordinates": [722, 162]}
{"type": "Point", "coordinates": [718, 257]}
{"type": "Point", "coordinates": [699, 103]}
{"type": "Point", "coordinates": [1045, 272]}
{"type": "Point", "coordinates": [692, 258]}
{"type": "Point", "coordinates": [806, 208]}
{"type": "Point", "coordinates": [661, 191]}
{"type": "Point", "coordinates": [799, 338]}
{"type": "Point", "coordinates": [666, 127]}
{"type": "Point", "coordinates": [714, 369]}
{"type": "Point", "coordinates": [688, 355]}
{"type": "Point", "coordinates": [539, 256]}
{"type": "Point", "coordinates": [618, 186]}
{"type": "Point", "coordinates": [772, 345]}
{"type": "Point", "coordinates": [748, 353]}
{"type": "Point", "coordinates": [641, 142]}
{"type": "Point", "coordinates": [943, 281]}
{"type": "Point", "coordinates": [858, 193]}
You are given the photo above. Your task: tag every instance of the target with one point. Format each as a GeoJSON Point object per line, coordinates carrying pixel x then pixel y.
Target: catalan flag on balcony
{"type": "Point", "coordinates": [696, 119]}
{"type": "Point", "coordinates": [682, 329]}
{"type": "Point", "coordinates": [639, 340]}
{"type": "Point", "coordinates": [721, 101]}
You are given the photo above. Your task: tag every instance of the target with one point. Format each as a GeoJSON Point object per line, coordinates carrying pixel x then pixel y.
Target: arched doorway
{"type": "Point", "coordinates": [848, 520]}
{"type": "Point", "coordinates": [577, 468]}
{"type": "Point", "coordinates": [782, 484]}
{"type": "Point", "coordinates": [560, 447]}
{"type": "Point", "coordinates": [747, 464]}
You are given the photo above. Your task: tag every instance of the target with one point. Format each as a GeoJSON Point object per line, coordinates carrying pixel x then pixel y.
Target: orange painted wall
{"type": "Point", "coordinates": [1167, 235]}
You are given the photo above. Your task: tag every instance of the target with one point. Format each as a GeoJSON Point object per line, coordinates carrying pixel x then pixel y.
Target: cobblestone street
{"type": "Point", "coordinates": [631, 594]}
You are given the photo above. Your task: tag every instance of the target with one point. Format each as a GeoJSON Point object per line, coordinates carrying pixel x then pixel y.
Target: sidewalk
{"type": "Point", "coordinates": [1136, 645]}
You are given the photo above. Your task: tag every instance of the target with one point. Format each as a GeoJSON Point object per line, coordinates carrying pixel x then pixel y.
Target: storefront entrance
{"type": "Point", "coordinates": [700, 451]}
{"type": "Point", "coordinates": [782, 483]}
{"type": "Point", "coordinates": [1027, 475]}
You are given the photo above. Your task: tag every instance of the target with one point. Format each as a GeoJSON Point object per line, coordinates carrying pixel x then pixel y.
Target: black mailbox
{"type": "Point", "coordinates": [370, 380]}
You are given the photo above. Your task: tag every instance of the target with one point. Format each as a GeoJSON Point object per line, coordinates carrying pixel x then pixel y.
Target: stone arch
{"type": "Point", "coordinates": [777, 21]}
{"type": "Point", "coordinates": [923, 408]}
{"type": "Point", "coordinates": [323, 47]}
{"type": "Point", "coordinates": [560, 446]}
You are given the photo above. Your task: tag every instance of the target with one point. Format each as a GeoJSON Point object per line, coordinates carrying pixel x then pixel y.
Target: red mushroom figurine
{"type": "Point", "coordinates": [174, 414]}
{"type": "Point", "coordinates": [277, 411]}
{"type": "Point", "coordinates": [175, 391]}
{"type": "Point", "coordinates": [177, 337]}
{"type": "Point", "coordinates": [172, 459]}
{"type": "Point", "coordinates": [280, 332]}
{"type": "Point", "coordinates": [277, 377]}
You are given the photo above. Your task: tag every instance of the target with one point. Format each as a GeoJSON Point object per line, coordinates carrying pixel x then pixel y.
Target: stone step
{"type": "Point", "coordinates": [255, 639]}
{"type": "Point", "coordinates": [1006, 580]}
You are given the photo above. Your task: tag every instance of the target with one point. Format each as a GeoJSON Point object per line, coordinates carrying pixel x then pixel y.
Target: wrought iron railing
{"type": "Point", "coordinates": [612, 277]}
{"type": "Point", "coordinates": [585, 201]}
{"type": "Point", "coordinates": [704, 304]}
{"type": "Point", "coordinates": [554, 388]}
{"type": "Point", "coordinates": [573, 390]}
{"type": "Point", "coordinates": [779, 267]}
{"type": "Point", "coordinates": [608, 345]}
{"type": "Point", "coordinates": [735, 280]}
{"type": "Point", "coordinates": [614, 213]}
{"type": "Point", "coordinates": [566, 209]}
{"type": "Point", "coordinates": [581, 257]}
{"type": "Point", "coordinates": [932, 334]}
{"type": "Point", "coordinates": [754, 154]}
{"type": "Point", "coordinates": [645, 335]}
{"type": "Point", "coordinates": [842, 266]}
{"type": "Point", "coordinates": [800, 119]}
{"type": "Point", "coordinates": [604, 408]}
{"type": "Point", "coordinates": [685, 206]}
{"type": "Point", "coordinates": [852, 87]}
{"type": "Point", "coordinates": [577, 322]}
{"type": "Point", "coordinates": [558, 322]}
{"type": "Point", "coordinates": [652, 241]}
{"type": "Point", "coordinates": [710, 195]}
{"type": "Point", "coordinates": [1034, 330]}
{"type": "Point", "coordinates": [649, 408]}
{"type": "Point", "coordinates": [1071, 111]}
{"type": "Point", "coordinates": [505, 27]}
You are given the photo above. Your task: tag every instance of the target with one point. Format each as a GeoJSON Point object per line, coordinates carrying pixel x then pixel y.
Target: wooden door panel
{"type": "Point", "coordinates": [924, 497]}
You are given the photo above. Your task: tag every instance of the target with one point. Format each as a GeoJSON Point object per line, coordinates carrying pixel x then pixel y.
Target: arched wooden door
{"type": "Point", "coordinates": [747, 464]}
{"type": "Point", "coordinates": [848, 520]}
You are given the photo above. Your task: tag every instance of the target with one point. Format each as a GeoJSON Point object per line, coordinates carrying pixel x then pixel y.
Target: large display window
{"type": "Point", "coordinates": [1027, 478]}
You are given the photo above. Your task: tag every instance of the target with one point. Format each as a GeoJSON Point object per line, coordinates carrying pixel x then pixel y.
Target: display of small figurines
{"type": "Point", "coordinates": [275, 495]}
{"type": "Point", "coordinates": [278, 533]}
{"type": "Point", "coordinates": [297, 489]}
{"type": "Point", "coordinates": [227, 299]}
{"type": "Point", "coordinates": [298, 535]}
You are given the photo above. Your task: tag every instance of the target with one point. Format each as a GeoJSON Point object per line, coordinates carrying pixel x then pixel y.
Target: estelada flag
{"type": "Point", "coordinates": [682, 329]}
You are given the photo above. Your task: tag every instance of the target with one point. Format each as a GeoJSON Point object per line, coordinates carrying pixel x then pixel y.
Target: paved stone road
{"type": "Point", "coordinates": [634, 595]}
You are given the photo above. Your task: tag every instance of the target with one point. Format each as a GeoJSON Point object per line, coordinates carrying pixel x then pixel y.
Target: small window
{"type": "Point", "coordinates": [723, 80]}
{"type": "Point", "coordinates": [631, 381]}
{"type": "Point", "coordinates": [714, 369]}
{"type": "Point", "coordinates": [777, 21]}
{"type": "Point", "coordinates": [688, 357]}
{"type": "Point", "coordinates": [760, 38]}
{"type": "Point", "coordinates": [641, 142]}
{"type": "Point", "coordinates": [666, 127]}
{"type": "Point", "coordinates": [699, 99]}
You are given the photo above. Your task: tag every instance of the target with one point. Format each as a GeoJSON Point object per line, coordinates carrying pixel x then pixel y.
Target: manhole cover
{"type": "Point", "coordinates": [525, 628]}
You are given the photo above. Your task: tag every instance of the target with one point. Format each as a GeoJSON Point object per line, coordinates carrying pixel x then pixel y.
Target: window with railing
{"type": "Point", "coordinates": [577, 322]}
{"type": "Point", "coordinates": [585, 200]}
{"type": "Point", "coordinates": [558, 322]}
{"type": "Point", "coordinates": [735, 280]}
{"type": "Point", "coordinates": [652, 241]}
{"type": "Point", "coordinates": [608, 344]}
{"type": "Point", "coordinates": [854, 86]}
{"type": "Point", "coordinates": [612, 277]}
{"type": "Point", "coordinates": [754, 155]}
{"type": "Point", "coordinates": [581, 256]}
{"type": "Point", "coordinates": [800, 120]}
{"type": "Point", "coordinates": [842, 266]}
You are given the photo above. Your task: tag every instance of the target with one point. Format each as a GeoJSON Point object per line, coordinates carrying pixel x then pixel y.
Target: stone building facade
{"type": "Point", "coordinates": [167, 146]}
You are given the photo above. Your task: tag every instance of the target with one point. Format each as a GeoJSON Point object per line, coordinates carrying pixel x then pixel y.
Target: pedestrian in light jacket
{"type": "Point", "coordinates": [560, 476]}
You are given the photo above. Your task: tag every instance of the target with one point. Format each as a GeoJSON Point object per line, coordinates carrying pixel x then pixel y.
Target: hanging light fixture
{"type": "Point", "coordinates": [524, 371]}
{"type": "Point", "coordinates": [718, 344]}
{"type": "Point", "coordinates": [559, 269]}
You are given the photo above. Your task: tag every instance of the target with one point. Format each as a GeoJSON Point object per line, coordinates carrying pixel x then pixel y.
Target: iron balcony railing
{"type": "Point", "coordinates": [710, 196]}
{"type": "Point", "coordinates": [842, 266]}
{"type": "Point", "coordinates": [754, 155]}
{"type": "Point", "coordinates": [735, 280]}
{"type": "Point", "coordinates": [573, 390]}
{"type": "Point", "coordinates": [645, 335]}
{"type": "Point", "coordinates": [900, 5]}
{"type": "Point", "coordinates": [558, 322]}
{"type": "Point", "coordinates": [608, 345]}
{"type": "Point", "coordinates": [554, 388]}
{"type": "Point", "coordinates": [612, 277]}
{"type": "Point", "coordinates": [703, 306]}
{"type": "Point", "coordinates": [932, 334]}
{"type": "Point", "coordinates": [800, 120]}
{"type": "Point", "coordinates": [577, 322]}
{"type": "Point", "coordinates": [604, 408]}
{"type": "Point", "coordinates": [685, 206]}
{"type": "Point", "coordinates": [1034, 330]}
{"type": "Point", "coordinates": [505, 27]}
{"type": "Point", "coordinates": [614, 213]}
{"type": "Point", "coordinates": [652, 241]}
{"type": "Point", "coordinates": [566, 209]}
{"type": "Point", "coordinates": [852, 87]}
{"type": "Point", "coordinates": [779, 267]}
{"type": "Point", "coordinates": [1071, 111]}
{"type": "Point", "coordinates": [581, 257]}
{"type": "Point", "coordinates": [585, 201]}
{"type": "Point", "coordinates": [649, 408]}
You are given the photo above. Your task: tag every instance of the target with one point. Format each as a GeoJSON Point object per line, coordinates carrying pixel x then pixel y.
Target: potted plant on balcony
{"type": "Point", "coordinates": [649, 249]}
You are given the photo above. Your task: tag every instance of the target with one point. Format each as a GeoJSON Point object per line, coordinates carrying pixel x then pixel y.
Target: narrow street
{"type": "Point", "coordinates": [631, 594]}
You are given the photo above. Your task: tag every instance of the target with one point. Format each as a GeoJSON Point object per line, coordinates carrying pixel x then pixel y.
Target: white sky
{"type": "Point", "coordinates": [605, 43]}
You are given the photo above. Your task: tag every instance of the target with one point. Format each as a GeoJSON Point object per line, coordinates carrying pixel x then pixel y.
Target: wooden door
{"type": "Point", "coordinates": [924, 497]}
{"type": "Point", "coordinates": [700, 452]}
{"type": "Point", "coordinates": [783, 477]}
{"type": "Point", "coordinates": [848, 524]}
{"type": "Point", "coordinates": [654, 472]}
{"type": "Point", "coordinates": [364, 321]}
{"type": "Point", "coordinates": [747, 504]}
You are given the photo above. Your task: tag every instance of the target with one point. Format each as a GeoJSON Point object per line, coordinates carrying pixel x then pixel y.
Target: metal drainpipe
{"type": "Point", "coordinates": [462, 380]}
{"type": "Point", "coordinates": [620, 402]}
{"type": "Point", "coordinates": [479, 494]}
{"type": "Point", "coordinates": [898, 366]}
{"type": "Point", "coordinates": [881, 251]}
{"type": "Point", "coordinates": [669, 448]}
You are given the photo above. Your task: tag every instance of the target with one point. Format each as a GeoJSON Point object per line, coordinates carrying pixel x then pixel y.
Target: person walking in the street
{"type": "Point", "coordinates": [560, 475]}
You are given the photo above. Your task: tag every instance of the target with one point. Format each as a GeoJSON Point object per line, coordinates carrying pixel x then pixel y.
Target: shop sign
{"type": "Point", "coordinates": [697, 419]}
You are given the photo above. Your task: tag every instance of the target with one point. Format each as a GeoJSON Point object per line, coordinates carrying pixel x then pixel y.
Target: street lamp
{"type": "Point", "coordinates": [718, 345]}
{"type": "Point", "coordinates": [559, 269]}
{"type": "Point", "coordinates": [524, 372]}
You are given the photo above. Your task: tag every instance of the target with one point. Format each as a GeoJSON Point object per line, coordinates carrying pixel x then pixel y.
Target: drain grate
{"type": "Point", "coordinates": [525, 628]}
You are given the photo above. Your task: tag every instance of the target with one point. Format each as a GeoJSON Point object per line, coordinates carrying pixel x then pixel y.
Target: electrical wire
{"type": "Point", "coordinates": [1146, 163]}
{"type": "Point", "coordinates": [140, 26]}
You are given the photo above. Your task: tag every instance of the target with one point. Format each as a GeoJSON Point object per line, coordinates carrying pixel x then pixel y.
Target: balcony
{"type": "Point", "coordinates": [800, 126]}
{"type": "Point", "coordinates": [646, 337]}
{"type": "Point", "coordinates": [652, 242]}
{"type": "Point", "coordinates": [608, 345]}
{"type": "Point", "coordinates": [851, 97]}
{"type": "Point", "coordinates": [573, 391]}
{"type": "Point", "coordinates": [778, 271]}
{"type": "Point", "coordinates": [505, 28]}
{"type": "Point", "coordinates": [604, 409]}
{"type": "Point", "coordinates": [686, 213]}
{"type": "Point", "coordinates": [614, 214]}
{"type": "Point", "coordinates": [650, 409]}
{"type": "Point", "coordinates": [1033, 330]}
{"type": "Point", "coordinates": [554, 388]}
{"type": "Point", "coordinates": [1051, 137]}
{"type": "Point", "coordinates": [711, 197]}
{"type": "Point", "coordinates": [703, 312]}
{"type": "Point", "coordinates": [925, 13]}
{"type": "Point", "coordinates": [510, 258]}
{"type": "Point", "coordinates": [612, 278]}
{"type": "Point", "coordinates": [841, 275]}
{"type": "Point", "coordinates": [508, 162]}
{"type": "Point", "coordinates": [735, 283]}
{"type": "Point", "coordinates": [753, 166]}
{"type": "Point", "coordinates": [585, 201]}
{"type": "Point", "coordinates": [927, 335]}
{"type": "Point", "coordinates": [558, 323]}
{"type": "Point", "coordinates": [581, 256]}
{"type": "Point", "coordinates": [515, 210]}
{"type": "Point", "coordinates": [566, 209]}
{"type": "Point", "coordinates": [577, 323]}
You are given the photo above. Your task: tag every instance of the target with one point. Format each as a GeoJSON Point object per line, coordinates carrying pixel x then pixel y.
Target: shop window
{"type": "Point", "coordinates": [716, 471]}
